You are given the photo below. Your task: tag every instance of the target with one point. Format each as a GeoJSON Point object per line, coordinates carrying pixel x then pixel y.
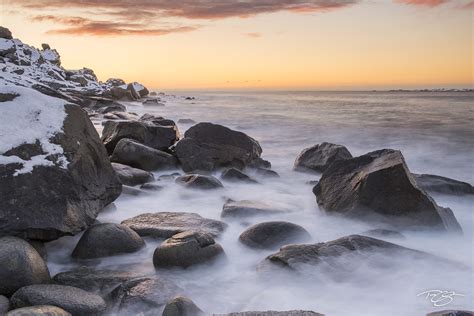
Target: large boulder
{"type": "Point", "coordinates": [142, 294]}
{"type": "Point", "coordinates": [153, 135]}
{"type": "Point", "coordinates": [182, 306]}
{"type": "Point", "coordinates": [208, 146]}
{"type": "Point", "coordinates": [107, 239]}
{"type": "Point", "coordinates": [320, 157]}
{"type": "Point", "coordinates": [379, 187]}
{"type": "Point", "coordinates": [199, 181]}
{"type": "Point", "coordinates": [186, 249]}
{"type": "Point", "coordinates": [20, 265]}
{"type": "Point", "coordinates": [39, 310]}
{"type": "Point", "coordinates": [4, 305]}
{"type": "Point", "coordinates": [249, 208]}
{"type": "Point", "coordinates": [132, 176]}
{"type": "Point", "coordinates": [132, 153]}
{"type": "Point", "coordinates": [167, 224]}
{"type": "Point", "coordinates": [439, 184]}
{"type": "Point", "coordinates": [235, 175]}
{"type": "Point", "coordinates": [271, 235]}
{"type": "Point", "coordinates": [55, 176]}
{"type": "Point", "coordinates": [71, 299]}
{"type": "Point", "coordinates": [275, 313]}
{"type": "Point", "coordinates": [5, 33]}
{"type": "Point", "coordinates": [94, 280]}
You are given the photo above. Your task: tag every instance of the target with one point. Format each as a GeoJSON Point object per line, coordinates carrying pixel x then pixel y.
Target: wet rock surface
{"type": "Point", "coordinates": [182, 306]}
{"type": "Point", "coordinates": [199, 182]}
{"type": "Point", "coordinates": [132, 176]}
{"type": "Point", "coordinates": [438, 184]}
{"type": "Point", "coordinates": [320, 157]}
{"type": "Point", "coordinates": [41, 310]}
{"type": "Point", "coordinates": [248, 208]}
{"type": "Point", "coordinates": [235, 175]}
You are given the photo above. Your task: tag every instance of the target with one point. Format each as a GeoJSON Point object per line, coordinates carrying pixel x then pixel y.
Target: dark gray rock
{"type": "Point", "coordinates": [438, 184]}
{"type": "Point", "coordinates": [4, 305]}
{"type": "Point", "coordinates": [147, 133]}
{"type": "Point", "coordinates": [451, 313]}
{"type": "Point", "coordinates": [208, 146]}
{"type": "Point", "coordinates": [151, 187]}
{"type": "Point", "coordinates": [186, 121]}
{"type": "Point", "coordinates": [383, 233]}
{"type": "Point", "coordinates": [272, 235]}
{"type": "Point", "coordinates": [94, 280]}
{"type": "Point", "coordinates": [119, 115]}
{"type": "Point", "coordinates": [71, 299]}
{"type": "Point", "coordinates": [320, 157]}
{"type": "Point", "coordinates": [70, 198]}
{"type": "Point", "coordinates": [260, 163]}
{"type": "Point", "coordinates": [107, 239]}
{"type": "Point", "coordinates": [115, 107]}
{"type": "Point", "coordinates": [182, 306]}
{"type": "Point", "coordinates": [198, 181]}
{"type": "Point", "coordinates": [128, 190]}
{"type": "Point", "coordinates": [157, 120]}
{"type": "Point", "coordinates": [275, 313]}
{"type": "Point", "coordinates": [147, 294]}
{"type": "Point", "coordinates": [266, 173]}
{"type": "Point", "coordinates": [186, 249]}
{"type": "Point", "coordinates": [20, 265]}
{"type": "Point", "coordinates": [39, 247]}
{"type": "Point", "coordinates": [235, 175]}
{"type": "Point", "coordinates": [167, 224]}
{"type": "Point", "coordinates": [132, 153]}
{"type": "Point", "coordinates": [132, 176]}
{"type": "Point", "coordinates": [41, 310]}
{"type": "Point", "coordinates": [379, 187]}
{"type": "Point", "coordinates": [5, 33]}
{"type": "Point", "coordinates": [248, 208]}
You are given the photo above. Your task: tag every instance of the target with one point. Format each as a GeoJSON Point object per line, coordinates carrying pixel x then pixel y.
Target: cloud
{"type": "Point", "coordinates": [427, 3]}
{"type": "Point", "coordinates": [253, 34]}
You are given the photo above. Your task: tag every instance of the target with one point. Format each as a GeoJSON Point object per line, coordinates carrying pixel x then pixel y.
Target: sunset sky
{"type": "Point", "coordinates": [268, 44]}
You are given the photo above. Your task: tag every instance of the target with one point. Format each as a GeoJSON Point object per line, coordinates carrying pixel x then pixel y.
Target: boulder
{"type": "Point", "coordinates": [144, 294]}
{"type": "Point", "coordinates": [57, 181]}
{"type": "Point", "coordinates": [383, 233]}
{"type": "Point", "coordinates": [320, 157]}
{"type": "Point", "coordinates": [198, 181]}
{"type": "Point", "coordinates": [379, 187]}
{"type": "Point", "coordinates": [107, 239]}
{"type": "Point", "coordinates": [151, 187]}
{"type": "Point", "coordinates": [132, 176]}
{"type": "Point", "coordinates": [132, 153]}
{"type": "Point", "coordinates": [235, 175]}
{"type": "Point", "coordinates": [182, 306]}
{"type": "Point", "coordinates": [157, 120]}
{"type": "Point", "coordinates": [71, 299]}
{"type": "Point", "coordinates": [114, 82]}
{"type": "Point", "coordinates": [149, 134]}
{"type": "Point", "coordinates": [167, 224]}
{"type": "Point", "coordinates": [115, 107]}
{"type": "Point", "coordinates": [298, 258]}
{"type": "Point", "coordinates": [120, 115]}
{"type": "Point", "coordinates": [451, 313]}
{"type": "Point", "coordinates": [208, 146]}
{"type": "Point", "coordinates": [186, 249]}
{"type": "Point", "coordinates": [20, 265]}
{"type": "Point", "coordinates": [40, 310]}
{"type": "Point", "coordinates": [266, 173]}
{"type": "Point", "coordinates": [186, 121]}
{"type": "Point", "coordinates": [271, 235]}
{"type": "Point", "coordinates": [438, 184]}
{"type": "Point", "coordinates": [94, 280]}
{"type": "Point", "coordinates": [248, 208]}
{"type": "Point", "coordinates": [122, 93]}
{"type": "Point", "coordinates": [5, 33]}
{"type": "Point", "coordinates": [155, 102]}
{"type": "Point", "coordinates": [139, 88]}
{"type": "Point", "coordinates": [128, 190]}
{"type": "Point", "coordinates": [4, 305]}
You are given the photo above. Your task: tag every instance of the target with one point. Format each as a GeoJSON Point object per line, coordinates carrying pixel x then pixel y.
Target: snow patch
{"type": "Point", "coordinates": [28, 118]}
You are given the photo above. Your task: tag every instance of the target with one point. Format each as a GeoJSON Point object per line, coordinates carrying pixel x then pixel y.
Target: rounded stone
{"type": "Point", "coordinates": [271, 235]}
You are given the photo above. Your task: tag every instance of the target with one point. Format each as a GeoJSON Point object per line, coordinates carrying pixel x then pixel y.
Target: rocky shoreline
{"type": "Point", "coordinates": [57, 176]}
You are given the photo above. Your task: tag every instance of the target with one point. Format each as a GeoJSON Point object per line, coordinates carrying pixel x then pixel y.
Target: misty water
{"type": "Point", "coordinates": [435, 134]}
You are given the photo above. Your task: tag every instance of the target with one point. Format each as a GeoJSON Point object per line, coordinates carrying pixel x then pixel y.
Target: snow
{"type": "Point", "coordinates": [30, 117]}
{"type": "Point", "coordinates": [6, 44]}
{"type": "Point", "coordinates": [137, 86]}
{"type": "Point", "coordinates": [50, 55]}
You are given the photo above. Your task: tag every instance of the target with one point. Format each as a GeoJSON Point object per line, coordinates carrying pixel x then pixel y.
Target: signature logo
{"type": "Point", "coordinates": [439, 297]}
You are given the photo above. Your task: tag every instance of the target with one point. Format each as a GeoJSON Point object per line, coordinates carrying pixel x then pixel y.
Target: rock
{"type": "Point", "coordinates": [249, 208]}
{"type": "Point", "coordinates": [132, 176]}
{"type": "Point", "coordinates": [40, 310]}
{"type": "Point", "coordinates": [92, 280]}
{"type": "Point", "coordinates": [320, 157]}
{"type": "Point", "coordinates": [140, 89]}
{"type": "Point", "coordinates": [383, 233]}
{"type": "Point", "coordinates": [107, 239]}
{"type": "Point", "coordinates": [157, 120]}
{"type": "Point", "coordinates": [275, 313]}
{"type": "Point", "coordinates": [20, 265]}
{"type": "Point", "coordinates": [155, 102]}
{"type": "Point", "coordinates": [235, 175]}
{"type": "Point", "coordinates": [128, 190]}
{"type": "Point", "coordinates": [208, 146]}
{"type": "Point", "coordinates": [266, 173]}
{"type": "Point", "coordinates": [271, 235]}
{"type": "Point", "coordinates": [132, 153]}
{"type": "Point", "coordinates": [186, 249]}
{"type": "Point", "coordinates": [182, 306]}
{"type": "Point", "coordinates": [114, 82]}
{"type": "Point", "coordinates": [120, 115]}
{"type": "Point", "coordinates": [198, 181]}
{"type": "Point", "coordinates": [4, 305]}
{"type": "Point", "coordinates": [75, 187]}
{"type": "Point", "coordinates": [167, 224]}
{"type": "Point", "coordinates": [122, 93]}
{"type": "Point", "coordinates": [7, 47]}
{"type": "Point", "coordinates": [451, 313]}
{"type": "Point", "coordinates": [151, 187]}
{"type": "Point", "coordinates": [149, 134]}
{"type": "Point", "coordinates": [115, 107]}
{"type": "Point", "coordinates": [379, 187]}
{"type": "Point", "coordinates": [298, 258]}
{"type": "Point", "coordinates": [186, 121]}
{"type": "Point", "coordinates": [39, 247]}
{"type": "Point", "coordinates": [71, 299]}
{"type": "Point", "coordinates": [144, 294]}
{"type": "Point", "coordinates": [5, 33]}
{"type": "Point", "coordinates": [260, 163]}
{"type": "Point", "coordinates": [438, 184]}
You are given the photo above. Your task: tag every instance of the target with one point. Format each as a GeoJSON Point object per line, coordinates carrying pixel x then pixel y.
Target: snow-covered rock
{"type": "Point", "coordinates": [55, 175]}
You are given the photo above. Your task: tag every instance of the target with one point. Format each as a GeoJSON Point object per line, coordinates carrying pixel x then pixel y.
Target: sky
{"type": "Point", "coordinates": [257, 44]}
